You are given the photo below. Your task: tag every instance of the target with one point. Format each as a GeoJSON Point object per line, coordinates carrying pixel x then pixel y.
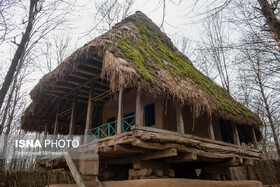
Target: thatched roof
{"type": "Point", "coordinates": [135, 53]}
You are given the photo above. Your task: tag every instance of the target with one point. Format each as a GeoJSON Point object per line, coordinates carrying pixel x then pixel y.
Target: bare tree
{"type": "Point", "coordinates": [214, 50]}
{"type": "Point", "coordinates": [43, 17]}
{"type": "Point", "coordinates": [21, 48]}
{"type": "Point", "coordinates": [255, 64]}
{"type": "Point", "coordinates": [271, 12]}
{"type": "Point", "coordinates": [109, 13]}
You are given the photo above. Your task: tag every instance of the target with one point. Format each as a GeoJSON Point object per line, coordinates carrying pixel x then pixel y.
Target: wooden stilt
{"type": "Point", "coordinates": [50, 174]}
{"type": "Point", "coordinates": [46, 130]}
{"type": "Point", "coordinates": [235, 134]}
{"type": "Point", "coordinates": [139, 110]}
{"type": "Point", "coordinates": [120, 111]}
{"type": "Point", "coordinates": [211, 130]}
{"type": "Point", "coordinates": [254, 138]}
{"type": "Point", "coordinates": [73, 116]}
{"type": "Point", "coordinates": [180, 121]}
{"type": "Point", "coordinates": [89, 112]}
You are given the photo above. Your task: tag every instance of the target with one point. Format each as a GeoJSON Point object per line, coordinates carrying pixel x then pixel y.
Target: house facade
{"type": "Point", "coordinates": [153, 113]}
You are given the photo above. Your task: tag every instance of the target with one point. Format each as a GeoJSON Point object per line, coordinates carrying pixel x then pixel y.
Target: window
{"type": "Point", "coordinates": [226, 131]}
{"type": "Point", "coordinates": [111, 119]}
{"type": "Point", "coordinates": [149, 115]}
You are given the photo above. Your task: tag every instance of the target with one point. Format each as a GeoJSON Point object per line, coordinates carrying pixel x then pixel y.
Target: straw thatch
{"type": "Point", "coordinates": [135, 53]}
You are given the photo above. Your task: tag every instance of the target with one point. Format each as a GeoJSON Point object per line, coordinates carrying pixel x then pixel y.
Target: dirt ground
{"type": "Point", "coordinates": [174, 183]}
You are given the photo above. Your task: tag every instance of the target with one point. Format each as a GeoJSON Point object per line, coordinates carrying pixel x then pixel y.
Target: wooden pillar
{"type": "Point", "coordinates": [179, 118]}
{"type": "Point", "coordinates": [89, 112]}
{"type": "Point", "coordinates": [120, 111]}
{"type": "Point", "coordinates": [235, 134]}
{"type": "Point", "coordinates": [254, 138]}
{"type": "Point", "coordinates": [210, 129]}
{"type": "Point", "coordinates": [46, 130]}
{"type": "Point", "coordinates": [56, 124]}
{"type": "Point", "coordinates": [139, 110]}
{"type": "Point", "coordinates": [73, 116]}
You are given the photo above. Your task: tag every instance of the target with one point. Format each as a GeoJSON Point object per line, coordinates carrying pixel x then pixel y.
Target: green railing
{"type": "Point", "coordinates": [110, 129]}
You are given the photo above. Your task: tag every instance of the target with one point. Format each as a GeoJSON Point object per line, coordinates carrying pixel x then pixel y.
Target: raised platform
{"type": "Point", "coordinates": [149, 153]}
{"type": "Point", "coordinates": [141, 141]}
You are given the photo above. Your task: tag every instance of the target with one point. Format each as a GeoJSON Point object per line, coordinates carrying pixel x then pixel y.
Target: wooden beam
{"type": "Point", "coordinates": [179, 119]}
{"type": "Point", "coordinates": [187, 138]}
{"type": "Point", "coordinates": [73, 116]}
{"type": "Point", "coordinates": [211, 129]}
{"type": "Point", "coordinates": [149, 156]}
{"type": "Point", "coordinates": [73, 91]}
{"type": "Point", "coordinates": [102, 95]}
{"type": "Point", "coordinates": [76, 175]}
{"type": "Point", "coordinates": [139, 164]}
{"type": "Point", "coordinates": [235, 134]}
{"type": "Point", "coordinates": [64, 112]}
{"type": "Point", "coordinates": [178, 143]}
{"type": "Point", "coordinates": [80, 76]}
{"type": "Point", "coordinates": [247, 162]}
{"type": "Point", "coordinates": [128, 149]}
{"type": "Point", "coordinates": [229, 163]}
{"type": "Point", "coordinates": [140, 172]}
{"type": "Point", "coordinates": [120, 111]}
{"type": "Point", "coordinates": [254, 138]}
{"type": "Point", "coordinates": [160, 154]}
{"type": "Point", "coordinates": [139, 110]}
{"type": "Point", "coordinates": [89, 112]}
{"type": "Point", "coordinates": [83, 71]}
{"type": "Point", "coordinates": [93, 65]}
{"type": "Point", "coordinates": [186, 157]}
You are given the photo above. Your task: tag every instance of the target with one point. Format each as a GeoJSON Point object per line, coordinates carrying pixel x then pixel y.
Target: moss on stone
{"type": "Point", "coordinates": [150, 47]}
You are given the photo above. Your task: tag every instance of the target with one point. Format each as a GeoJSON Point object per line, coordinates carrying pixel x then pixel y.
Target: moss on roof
{"type": "Point", "coordinates": [150, 47]}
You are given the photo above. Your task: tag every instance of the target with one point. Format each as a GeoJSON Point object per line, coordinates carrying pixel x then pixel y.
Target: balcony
{"type": "Point", "coordinates": [110, 129]}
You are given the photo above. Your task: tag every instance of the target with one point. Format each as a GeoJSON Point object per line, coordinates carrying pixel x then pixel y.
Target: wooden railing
{"type": "Point", "coordinates": [110, 129]}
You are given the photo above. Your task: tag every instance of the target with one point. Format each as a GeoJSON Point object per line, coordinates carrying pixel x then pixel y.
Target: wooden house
{"type": "Point", "coordinates": [154, 114]}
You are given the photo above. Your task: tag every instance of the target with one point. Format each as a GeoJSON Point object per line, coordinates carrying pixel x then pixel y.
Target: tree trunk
{"type": "Point", "coordinates": [7, 132]}
{"type": "Point", "coordinates": [20, 52]}
{"type": "Point", "coordinates": [269, 116]}
{"type": "Point", "coordinates": [271, 20]}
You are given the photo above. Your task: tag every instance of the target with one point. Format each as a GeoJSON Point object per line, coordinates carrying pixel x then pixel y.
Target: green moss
{"type": "Point", "coordinates": [133, 54]}
{"type": "Point", "coordinates": [150, 47]}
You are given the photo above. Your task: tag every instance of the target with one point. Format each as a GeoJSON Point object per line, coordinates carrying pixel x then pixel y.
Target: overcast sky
{"type": "Point", "coordinates": [180, 21]}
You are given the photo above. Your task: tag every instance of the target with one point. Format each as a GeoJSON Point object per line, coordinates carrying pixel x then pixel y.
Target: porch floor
{"type": "Point", "coordinates": [142, 141]}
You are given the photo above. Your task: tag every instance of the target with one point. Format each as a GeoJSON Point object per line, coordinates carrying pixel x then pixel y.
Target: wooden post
{"type": "Point", "coordinates": [235, 134]}
{"type": "Point", "coordinates": [120, 111]}
{"type": "Point", "coordinates": [46, 131]}
{"type": "Point", "coordinates": [73, 116]}
{"type": "Point", "coordinates": [56, 124]}
{"type": "Point", "coordinates": [210, 129]}
{"type": "Point", "coordinates": [46, 128]}
{"type": "Point", "coordinates": [254, 138]}
{"type": "Point", "coordinates": [179, 118]}
{"type": "Point", "coordinates": [76, 175]}
{"type": "Point", "coordinates": [139, 110]}
{"type": "Point", "coordinates": [89, 112]}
